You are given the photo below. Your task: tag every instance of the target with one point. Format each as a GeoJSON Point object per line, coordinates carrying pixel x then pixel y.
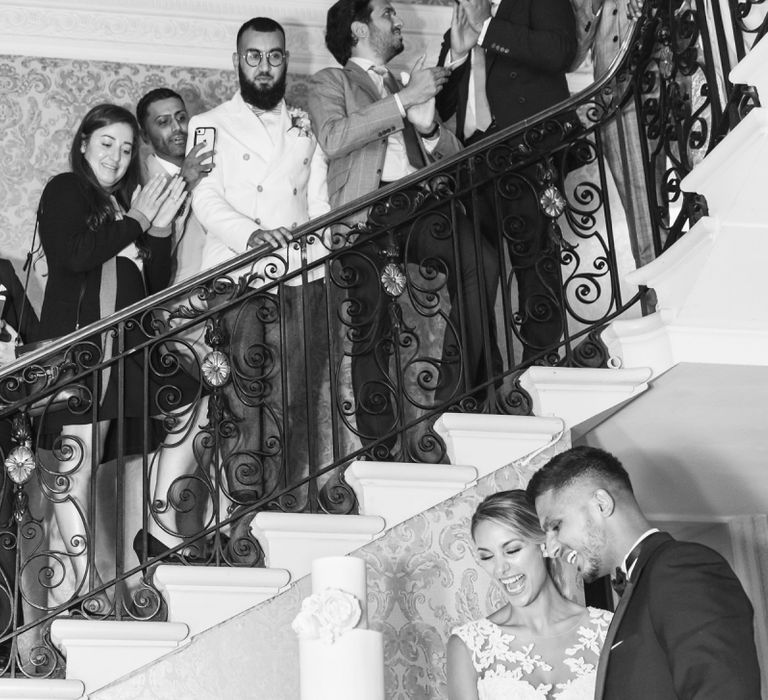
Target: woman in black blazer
{"type": "Point", "coordinates": [108, 245]}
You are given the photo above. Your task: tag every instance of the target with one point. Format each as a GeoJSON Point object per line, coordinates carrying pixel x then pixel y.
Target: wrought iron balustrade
{"type": "Point", "coordinates": [384, 314]}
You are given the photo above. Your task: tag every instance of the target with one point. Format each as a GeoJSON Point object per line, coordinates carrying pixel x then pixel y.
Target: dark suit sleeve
{"type": "Point", "coordinates": [703, 620]}
{"type": "Point", "coordinates": [447, 100]}
{"type": "Point", "coordinates": [65, 234]}
{"type": "Point", "coordinates": [547, 43]}
{"type": "Point", "coordinates": [157, 267]}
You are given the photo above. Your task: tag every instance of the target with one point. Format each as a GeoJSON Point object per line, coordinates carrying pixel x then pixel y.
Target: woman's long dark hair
{"type": "Point", "coordinates": [101, 208]}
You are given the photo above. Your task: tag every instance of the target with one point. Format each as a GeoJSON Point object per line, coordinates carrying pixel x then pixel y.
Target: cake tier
{"type": "Point", "coordinates": [352, 668]}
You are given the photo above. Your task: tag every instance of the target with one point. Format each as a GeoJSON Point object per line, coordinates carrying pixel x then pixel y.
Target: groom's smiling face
{"type": "Point", "coordinates": [574, 532]}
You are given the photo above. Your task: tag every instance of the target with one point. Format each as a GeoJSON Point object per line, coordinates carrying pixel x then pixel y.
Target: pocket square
{"type": "Point", "coordinates": [621, 641]}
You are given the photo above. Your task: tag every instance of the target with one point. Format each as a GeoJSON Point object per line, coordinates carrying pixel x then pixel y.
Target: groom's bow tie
{"type": "Point", "coordinates": [619, 580]}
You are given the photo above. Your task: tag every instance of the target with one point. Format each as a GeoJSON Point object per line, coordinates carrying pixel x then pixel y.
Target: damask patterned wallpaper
{"type": "Point", "coordinates": [42, 101]}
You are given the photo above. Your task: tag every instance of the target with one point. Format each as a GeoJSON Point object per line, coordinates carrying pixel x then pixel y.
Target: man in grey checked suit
{"type": "Point", "coordinates": [375, 131]}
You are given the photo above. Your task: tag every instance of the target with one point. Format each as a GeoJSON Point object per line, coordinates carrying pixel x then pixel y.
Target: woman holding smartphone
{"type": "Point", "coordinates": [108, 245]}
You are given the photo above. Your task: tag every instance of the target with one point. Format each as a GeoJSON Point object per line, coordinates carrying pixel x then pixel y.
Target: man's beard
{"type": "Point", "coordinates": [386, 46]}
{"type": "Point", "coordinates": [591, 553]}
{"type": "Point", "coordinates": [261, 98]}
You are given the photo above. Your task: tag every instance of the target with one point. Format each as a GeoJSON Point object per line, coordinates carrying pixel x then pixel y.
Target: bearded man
{"type": "Point", "coordinates": [268, 177]}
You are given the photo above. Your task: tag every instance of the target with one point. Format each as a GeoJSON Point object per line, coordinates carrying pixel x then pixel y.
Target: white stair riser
{"type": "Point", "coordinates": [202, 607]}
{"type": "Point", "coordinates": [99, 652]}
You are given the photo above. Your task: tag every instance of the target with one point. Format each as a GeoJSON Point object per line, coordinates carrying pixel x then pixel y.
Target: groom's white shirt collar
{"type": "Point", "coordinates": [623, 567]}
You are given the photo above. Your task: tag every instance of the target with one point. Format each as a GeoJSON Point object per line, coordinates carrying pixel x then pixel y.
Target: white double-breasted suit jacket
{"type": "Point", "coordinates": [258, 182]}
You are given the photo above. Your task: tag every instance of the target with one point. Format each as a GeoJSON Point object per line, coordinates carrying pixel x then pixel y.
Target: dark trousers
{"type": "Point", "coordinates": [426, 245]}
{"type": "Point", "coordinates": [278, 349]}
{"type": "Point", "coordinates": [508, 212]}
{"type": "Point", "coordinates": [534, 260]}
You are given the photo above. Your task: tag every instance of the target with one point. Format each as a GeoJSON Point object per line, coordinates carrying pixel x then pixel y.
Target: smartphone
{"type": "Point", "coordinates": [206, 135]}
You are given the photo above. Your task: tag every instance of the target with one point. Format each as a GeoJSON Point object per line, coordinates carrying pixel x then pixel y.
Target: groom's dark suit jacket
{"type": "Point", "coordinates": [682, 630]}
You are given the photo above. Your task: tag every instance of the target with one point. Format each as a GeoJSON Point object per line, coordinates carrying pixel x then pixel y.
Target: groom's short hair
{"type": "Point", "coordinates": [576, 465]}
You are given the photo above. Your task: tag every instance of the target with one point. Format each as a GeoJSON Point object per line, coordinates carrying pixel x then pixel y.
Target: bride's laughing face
{"type": "Point", "coordinates": [517, 563]}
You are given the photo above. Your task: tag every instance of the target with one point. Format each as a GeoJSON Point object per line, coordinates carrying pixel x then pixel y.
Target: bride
{"type": "Point", "coordinates": [540, 645]}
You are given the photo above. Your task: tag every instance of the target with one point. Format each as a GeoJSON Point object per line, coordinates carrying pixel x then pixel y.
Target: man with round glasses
{"type": "Point", "coordinates": [269, 177]}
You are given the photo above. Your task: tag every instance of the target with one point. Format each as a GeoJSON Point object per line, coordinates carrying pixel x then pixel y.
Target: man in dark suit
{"type": "Point", "coordinates": [375, 131]}
{"type": "Point", "coordinates": [509, 60]}
{"type": "Point", "coordinates": [683, 628]}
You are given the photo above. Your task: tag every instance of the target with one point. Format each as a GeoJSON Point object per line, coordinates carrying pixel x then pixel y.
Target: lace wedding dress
{"type": "Point", "coordinates": [517, 667]}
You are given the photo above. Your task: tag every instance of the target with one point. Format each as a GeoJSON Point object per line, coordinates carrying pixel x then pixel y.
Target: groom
{"type": "Point", "coordinates": [683, 627]}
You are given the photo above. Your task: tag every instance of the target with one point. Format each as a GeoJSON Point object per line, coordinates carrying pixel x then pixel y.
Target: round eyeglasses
{"type": "Point", "coordinates": [275, 57]}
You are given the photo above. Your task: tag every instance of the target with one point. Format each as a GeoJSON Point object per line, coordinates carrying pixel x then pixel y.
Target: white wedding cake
{"type": "Point", "coordinates": [339, 658]}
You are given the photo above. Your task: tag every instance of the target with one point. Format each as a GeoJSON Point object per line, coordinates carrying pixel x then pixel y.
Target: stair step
{"type": "Point", "coordinates": [489, 442]}
{"type": "Point", "coordinates": [39, 689]}
{"type": "Point", "coordinates": [203, 597]}
{"type": "Point", "coordinates": [750, 70]}
{"type": "Point", "coordinates": [99, 652]}
{"type": "Point", "coordinates": [577, 394]}
{"type": "Point", "coordinates": [399, 490]}
{"type": "Point", "coordinates": [292, 540]}
{"type": "Point", "coordinates": [695, 321]}
{"type": "Point", "coordinates": [730, 179]}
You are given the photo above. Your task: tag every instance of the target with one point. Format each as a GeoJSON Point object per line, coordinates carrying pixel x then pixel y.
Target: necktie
{"type": "Point", "coordinates": [411, 138]}
{"type": "Point", "coordinates": [481, 119]}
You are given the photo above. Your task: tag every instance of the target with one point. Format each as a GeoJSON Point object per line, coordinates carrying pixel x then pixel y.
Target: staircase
{"type": "Point", "coordinates": [228, 634]}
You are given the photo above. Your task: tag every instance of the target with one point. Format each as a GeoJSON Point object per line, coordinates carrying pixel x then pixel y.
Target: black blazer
{"type": "Point", "coordinates": [529, 46]}
{"type": "Point", "coordinates": [682, 631]}
{"type": "Point", "coordinates": [76, 253]}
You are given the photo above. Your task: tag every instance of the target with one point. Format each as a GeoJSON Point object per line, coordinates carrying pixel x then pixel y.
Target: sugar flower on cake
{"type": "Point", "coordinates": [327, 615]}
{"type": "Point", "coordinates": [300, 121]}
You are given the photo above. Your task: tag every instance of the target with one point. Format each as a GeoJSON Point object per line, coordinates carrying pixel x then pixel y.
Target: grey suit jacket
{"type": "Point", "coordinates": [352, 123]}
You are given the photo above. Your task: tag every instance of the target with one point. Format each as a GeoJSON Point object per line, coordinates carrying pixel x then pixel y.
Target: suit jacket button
{"type": "Point", "coordinates": [521, 99]}
{"type": "Point", "coordinates": [378, 172]}
{"type": "Point", "coordinates": [259, 189]}
{"type": "Point", "coordinates": [615, 11]}
{"type": "Point", "coordinates": [246, 156]}
{"type": "Point", "coordinates": [306, 160]}
{"type": "Point", "coordinates": [257, 221]}
{"type": "Point", "coordinates": [513, 75]}
{"type": "Point", "coordinates": [615, 38]}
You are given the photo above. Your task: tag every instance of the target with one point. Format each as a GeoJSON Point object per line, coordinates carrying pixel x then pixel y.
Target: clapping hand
{"type": "Point", "coordinates": [148, 199]}
{"type": "Point", "coordinates": [175, 195]}
{"type": "Point", "coordinates": [424, 84]}
{"type": "Point", "coordinates": [463, 35]}
{"type": "Point", "coordinates": [193, 169]}
{"type": "Point", "coordinates": [476, 11]}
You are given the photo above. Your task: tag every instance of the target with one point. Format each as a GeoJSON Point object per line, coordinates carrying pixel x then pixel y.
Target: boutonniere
{"type": "Point", "coordinates": [299, 121]}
